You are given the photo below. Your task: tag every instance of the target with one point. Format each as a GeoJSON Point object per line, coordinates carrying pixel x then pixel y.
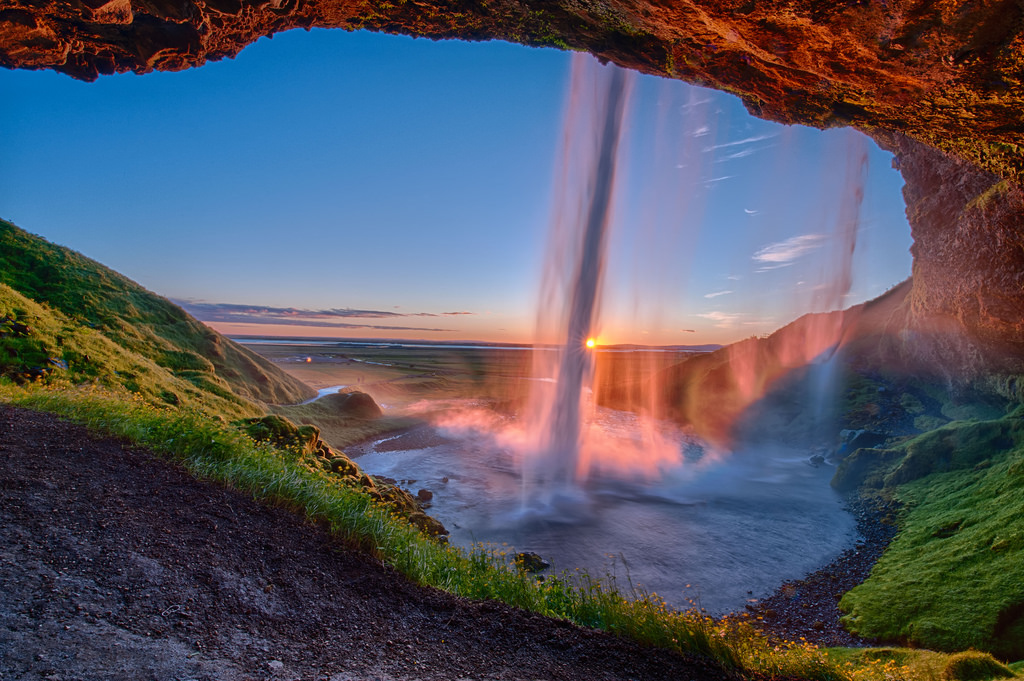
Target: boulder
{"type": "Point", "coordinates": [529, 561]}
{"type": "Point", "coordinates": [355, 404]}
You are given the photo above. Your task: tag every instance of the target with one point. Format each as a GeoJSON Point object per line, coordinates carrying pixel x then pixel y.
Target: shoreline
{"type": "Point", "coordinates": [808, 608]}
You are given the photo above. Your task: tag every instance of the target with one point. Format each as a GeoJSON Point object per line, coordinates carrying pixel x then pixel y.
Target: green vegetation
{"type": "Point", "coordinates": [215, 451]}
{"type": "Point", "coordinates": [40, 344]}
{"type": "Point", "coordinates": [94, 297]}
{"type": "Point", "coordinates": [953, 577]}
{"type": "Point", "coordinates": [912, 663]}
{"type": "Point", "coordinates": [974, 666]}
{"type": "Point", "coordinates": [79, 340]}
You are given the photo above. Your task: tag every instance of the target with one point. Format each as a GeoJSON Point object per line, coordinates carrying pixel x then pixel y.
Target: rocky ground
{"type": "Point", "coordinates": [809, 608]}
{"type": "Point", "coordinates": [118, 565]}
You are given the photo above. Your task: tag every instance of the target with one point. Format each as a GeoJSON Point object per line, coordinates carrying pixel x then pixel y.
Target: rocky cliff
{"type": "Point", "coordinates": [918, 75]}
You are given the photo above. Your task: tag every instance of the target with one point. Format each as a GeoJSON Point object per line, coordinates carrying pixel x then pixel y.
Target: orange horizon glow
{"type": "Point", "coordinates": [709, 336]}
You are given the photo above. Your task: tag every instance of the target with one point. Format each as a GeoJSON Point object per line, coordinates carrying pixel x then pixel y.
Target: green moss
{"type": "Point", "coordinates": [974, 666]}
{"type": "Point", "coordinates": [927, 422]}
{"type": "Point", "coordinates": [91, 296]}
{"type": "Point", "coordinates": [956, 446]}
{"type": "Point", "coordinates": [951, 579]}
{"type": "Point", "coordinates": [865, 468]}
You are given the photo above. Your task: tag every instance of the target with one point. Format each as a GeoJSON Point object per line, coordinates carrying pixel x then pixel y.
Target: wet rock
{"type": "Point", "coordinates": [810, 607]}
{"type": "Point", "coordinates": [852, 440]}
{"type": "Point", "coordinates": [531, 562]}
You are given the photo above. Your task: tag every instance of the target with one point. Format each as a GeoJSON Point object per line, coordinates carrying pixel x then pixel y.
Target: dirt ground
{"type": "Point", "coordinates": [115, 564]}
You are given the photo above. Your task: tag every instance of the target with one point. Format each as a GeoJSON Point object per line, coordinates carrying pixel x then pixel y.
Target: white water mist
{"type": "Point", "coordinates": [573, 275]}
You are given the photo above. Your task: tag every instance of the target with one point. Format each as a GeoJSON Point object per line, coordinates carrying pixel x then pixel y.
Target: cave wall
{"type": "Point", "coordinates": [938, 82]}
{"type": "Point", "coordinates": [968, 250]}
{"type": "Point", "coordinates": [948, 73]}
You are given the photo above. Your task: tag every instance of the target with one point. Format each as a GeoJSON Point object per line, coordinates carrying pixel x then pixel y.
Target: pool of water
{"type": "Point", "coordinates": [717, 530]}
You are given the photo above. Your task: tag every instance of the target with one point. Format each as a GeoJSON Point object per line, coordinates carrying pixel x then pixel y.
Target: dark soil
{"type": "Point", "coordinates": [809, 607]}
{"type": "Point", "coordinates": [115, 564]}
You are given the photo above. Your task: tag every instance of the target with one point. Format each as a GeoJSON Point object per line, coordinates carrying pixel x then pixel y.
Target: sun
{"type": "Point", "coordinates": [591, 343]}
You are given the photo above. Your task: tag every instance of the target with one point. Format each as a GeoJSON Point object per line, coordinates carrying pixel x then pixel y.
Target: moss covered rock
{"type": "Point", "coordinates": [974, 666]}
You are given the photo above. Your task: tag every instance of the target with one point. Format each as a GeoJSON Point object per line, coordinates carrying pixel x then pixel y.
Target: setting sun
{"type": "Point", "coordinates": [591, 342]}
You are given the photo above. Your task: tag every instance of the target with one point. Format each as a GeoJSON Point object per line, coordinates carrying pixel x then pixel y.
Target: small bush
{"type": "Point", "coordinates": [974, 666]}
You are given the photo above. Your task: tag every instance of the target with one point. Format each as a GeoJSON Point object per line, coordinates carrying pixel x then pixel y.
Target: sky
{"type": "Point", "coordinates": [358, 185]}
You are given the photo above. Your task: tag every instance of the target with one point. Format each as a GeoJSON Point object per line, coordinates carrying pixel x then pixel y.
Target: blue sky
{"type": "Point", "coordinates": [381, 186]}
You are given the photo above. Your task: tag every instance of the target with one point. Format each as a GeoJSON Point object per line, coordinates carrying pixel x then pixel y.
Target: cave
{"type": "Point", "coordinates": [937, 84]}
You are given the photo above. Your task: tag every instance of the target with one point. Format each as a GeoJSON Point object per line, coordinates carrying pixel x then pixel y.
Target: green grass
{"type": "Point", "coordinates": [50, 347]}
{"type": "Point", "coordinates": [912, 664]}
{"type": "Point", "coordinates": [214, 451]}
{"type": "Point", "coordinates": [95, 297]}
{"type": "Point", "coordinates": [954, 576]}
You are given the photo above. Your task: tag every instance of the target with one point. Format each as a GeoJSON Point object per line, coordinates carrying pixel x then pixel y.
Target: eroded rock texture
{"type": "Point", "coordinates": [968, 229]}
{"type": "Point", "coordinates": [946, 73]}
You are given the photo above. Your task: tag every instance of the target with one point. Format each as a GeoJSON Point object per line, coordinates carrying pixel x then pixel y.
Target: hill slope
{"type": "Point", "coordinates": [93, 297]}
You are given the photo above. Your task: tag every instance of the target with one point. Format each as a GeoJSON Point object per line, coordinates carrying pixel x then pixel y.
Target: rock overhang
{"type": "Point", "coordinates": [916, 75]}
{"type": "Point", "coordinates": [947, 74]}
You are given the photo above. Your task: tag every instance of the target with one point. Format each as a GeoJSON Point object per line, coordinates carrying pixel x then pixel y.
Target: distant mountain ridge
{"type": "Point", "coordinates": [96, 298]}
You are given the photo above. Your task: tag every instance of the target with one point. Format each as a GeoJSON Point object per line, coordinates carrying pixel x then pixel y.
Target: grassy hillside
{"type": "Point", "coordinates": [41, 345]}
{"type": "Point", "coordinates": [95, 297]}
{"type": "Point", "coordinates": [954, 576]}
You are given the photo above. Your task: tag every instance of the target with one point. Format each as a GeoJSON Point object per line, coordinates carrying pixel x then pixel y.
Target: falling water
{"type": "Point", "coordinates": [592, 132]}
{"type": "Point", "coordinates": [575, 482]}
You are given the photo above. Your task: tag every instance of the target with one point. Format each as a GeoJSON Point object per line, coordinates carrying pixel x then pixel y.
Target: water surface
{"type": "Point", "coordinates": [717, 529]}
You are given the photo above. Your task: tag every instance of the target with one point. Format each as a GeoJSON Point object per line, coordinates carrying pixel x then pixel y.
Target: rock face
{"type": "Point", "coordinates": [968, 245]}
{"type": "Point", "coordinates": [947, 75]}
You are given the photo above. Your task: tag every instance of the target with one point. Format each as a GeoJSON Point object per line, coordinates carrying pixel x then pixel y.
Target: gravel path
{"type": "Point", "coordinates": [115, 564]}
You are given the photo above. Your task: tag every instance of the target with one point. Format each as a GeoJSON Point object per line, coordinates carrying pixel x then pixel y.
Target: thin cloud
{"type": "Point", "coordinates": [229, 313]}
{"type": "Point", "coordinates": [716, 294]}
{"type": "Point", "coordinates": [789, 250]}
{"type": "Point", "coordinates": [751, 212]}
{"type": "Point", "coordinates": [748, 140]}
{"type": "Point", "coordinates": [696, 103]}
{"type": "Point", "coordinates": [723, 320]}
{"type": "Point", "coordinates": [743, 153]}
{"type": "Point", "coordinates": [769, 268]}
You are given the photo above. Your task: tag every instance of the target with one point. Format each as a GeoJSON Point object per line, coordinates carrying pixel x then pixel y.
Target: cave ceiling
{"type": "Point", "coordinates": [937, 82]}
{"type": "Point", "coordinates": [945, 73]}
